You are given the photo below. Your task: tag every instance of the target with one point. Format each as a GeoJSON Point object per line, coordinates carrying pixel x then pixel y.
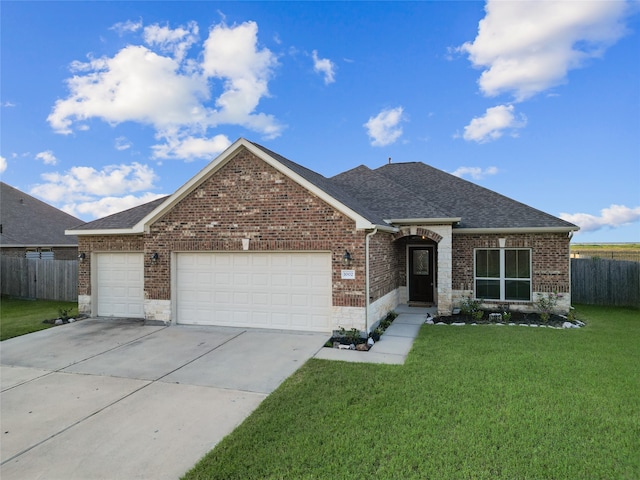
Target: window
{"type": "Point", "coordinates": [503, 274]}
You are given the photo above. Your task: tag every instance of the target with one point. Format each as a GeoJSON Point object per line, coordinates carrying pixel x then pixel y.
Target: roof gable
{"type": "Point", "coordinates": [139, 219]}
{"type": "Point", "coordinates": [27, 221]}
{"type": "Point", "coordinates": [388, 198]}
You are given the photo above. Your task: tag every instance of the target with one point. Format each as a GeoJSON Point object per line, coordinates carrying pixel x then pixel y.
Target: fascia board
{"type": "Point", "coordinates": [112, 231]}
{"type": "Point", "coordinates": [471, 231]}
{"type": "Point", "coordinates": [34, 245]}
{"type": "Point", "coordinates": [423, 221]}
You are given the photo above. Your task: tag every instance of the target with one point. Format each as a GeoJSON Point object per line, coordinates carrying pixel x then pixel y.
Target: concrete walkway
{"type": "Point", "coordinates": [395, 343]}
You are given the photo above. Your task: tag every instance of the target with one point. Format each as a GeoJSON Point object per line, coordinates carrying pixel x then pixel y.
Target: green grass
{"type": "Point", "coordinates": [470, 402]}
{"type": "Point", "coordinates": [19, 317]}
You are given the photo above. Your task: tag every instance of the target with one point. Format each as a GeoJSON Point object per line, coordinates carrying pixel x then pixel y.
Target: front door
{"type": "Point", "coordinates": [421, 274]}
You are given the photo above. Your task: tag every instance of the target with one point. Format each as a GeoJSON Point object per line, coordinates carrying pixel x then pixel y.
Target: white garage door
{"type": "Point", "coordinates": [290, 291]}
{"type": "Point", "coordinates": [120, 285]}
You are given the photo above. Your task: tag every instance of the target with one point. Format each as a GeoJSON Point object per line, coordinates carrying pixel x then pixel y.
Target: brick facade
{"type": "Point", "coordinates": [550, 253]}
{"type": "Point", "coordinates": [246, 198]}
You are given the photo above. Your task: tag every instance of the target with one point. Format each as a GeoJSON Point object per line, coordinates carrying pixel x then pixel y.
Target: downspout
{"type": "Point", "coordinates": [366, 284]}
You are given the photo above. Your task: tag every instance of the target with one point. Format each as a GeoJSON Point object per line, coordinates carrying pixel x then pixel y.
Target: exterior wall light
{"type": "Point", "coordinates": [346, 258]}
{"type": "Point", "coordinates": [154, 257]}
{"type": "Point", "coordinates": [82, 256]}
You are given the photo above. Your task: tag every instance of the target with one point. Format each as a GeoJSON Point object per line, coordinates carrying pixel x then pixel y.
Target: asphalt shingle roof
{"type": "Point", "coordinates": [477, 206]}
{"type": "Point", "coordinates": [27, 221]}
{"type": "Point", "coordinates": [394, 191]}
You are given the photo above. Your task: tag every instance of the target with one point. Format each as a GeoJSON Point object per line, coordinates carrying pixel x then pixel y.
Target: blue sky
{"type": "Point", "coordinates": [106, 105]}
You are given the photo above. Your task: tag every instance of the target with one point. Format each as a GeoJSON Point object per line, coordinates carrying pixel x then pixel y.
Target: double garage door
{"type": "Point", "coordinates": [289, 291]}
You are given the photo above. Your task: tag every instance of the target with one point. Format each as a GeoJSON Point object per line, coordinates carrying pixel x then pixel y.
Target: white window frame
{"type": "Point", "coordinates": [502, 278]}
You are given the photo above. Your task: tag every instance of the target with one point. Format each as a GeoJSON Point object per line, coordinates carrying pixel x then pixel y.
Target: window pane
{"type": "Point", "coordinates": [516, 264]}
{"type": "Point", "coordinates": [517, 290]}
{"type": "Point", "coordinates": [488, 289]}
{"type": "Point", "coordinates": [488, 263]}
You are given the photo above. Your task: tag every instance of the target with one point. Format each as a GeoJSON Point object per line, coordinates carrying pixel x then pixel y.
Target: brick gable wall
{"type": "Point", "coordinates": [247, 198]}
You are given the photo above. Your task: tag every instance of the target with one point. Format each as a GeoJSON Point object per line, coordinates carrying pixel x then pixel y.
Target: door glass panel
{"type": "Point", "coordinates": [421, 262]}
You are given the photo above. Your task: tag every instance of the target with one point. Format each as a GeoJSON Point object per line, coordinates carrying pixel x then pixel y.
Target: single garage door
{"type": "Point", "coordinates": [290, 291]}
{"type": "Point", "coordinates": [120, 285]}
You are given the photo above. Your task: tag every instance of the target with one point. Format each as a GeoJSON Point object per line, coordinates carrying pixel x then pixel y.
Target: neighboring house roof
{"type": "Point", "coordinates": [388, 196]}
{"type": "Point", "coordinates": [29, 222]}
{"type": "Point", "coordinates": [123, 220]}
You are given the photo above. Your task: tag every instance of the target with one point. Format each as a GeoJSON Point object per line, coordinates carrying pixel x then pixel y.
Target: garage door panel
{"type": "Point", "coordinates": [120, 289]}
{"type": "Point", "coordinates": [266, 290]}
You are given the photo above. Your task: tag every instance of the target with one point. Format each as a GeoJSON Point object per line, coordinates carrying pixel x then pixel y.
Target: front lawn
{"type": "Point", "coordinates": [479, 402]}
{"type": "Point", "coordinates": [19, 316]}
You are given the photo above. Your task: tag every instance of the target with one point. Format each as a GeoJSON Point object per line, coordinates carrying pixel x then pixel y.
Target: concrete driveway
{"type": "Point", "coordinates": [115, 399]}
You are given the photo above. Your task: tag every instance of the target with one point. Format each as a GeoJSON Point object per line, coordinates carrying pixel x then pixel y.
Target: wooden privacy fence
{"type": "Point", "coordinates": [598, 281]}
{"type": "Point", "coordinates": [39, 279]}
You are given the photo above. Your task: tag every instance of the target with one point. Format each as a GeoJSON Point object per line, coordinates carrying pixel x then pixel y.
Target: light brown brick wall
{"type": "Point", "coordinates": [549, 258]}
{"type": "Point", "coordinates": [386, 265]}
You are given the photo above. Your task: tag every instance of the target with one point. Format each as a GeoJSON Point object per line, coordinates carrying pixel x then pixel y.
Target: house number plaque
{"type": "Point", "coordinates": [348, 274]}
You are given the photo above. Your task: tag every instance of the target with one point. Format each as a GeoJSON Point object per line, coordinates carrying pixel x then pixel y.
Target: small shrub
{"type": "Point", "coordinates": [506, 316]}
{"type": "Point", "coordinates": [471, 307]}
{"type": "Point", "coordinates": [546, 304]}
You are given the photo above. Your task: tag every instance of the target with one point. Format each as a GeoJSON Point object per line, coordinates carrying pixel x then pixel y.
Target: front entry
{"type": "Point", "coordinates": [421, 274]}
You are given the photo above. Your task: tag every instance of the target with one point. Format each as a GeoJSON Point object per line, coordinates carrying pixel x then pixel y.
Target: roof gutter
{"type": "Point", "coordinates": [515, 230]}
{"type": "Point", "coordinates": [104, 231]}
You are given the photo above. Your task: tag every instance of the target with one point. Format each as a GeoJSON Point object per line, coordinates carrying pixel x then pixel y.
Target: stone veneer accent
{"type": "Point", "coordinates": [84, 304]}
{"type": "Point", "coordinates": [380, 308]}
{"type": "Point", "coordinates": [158, 311]}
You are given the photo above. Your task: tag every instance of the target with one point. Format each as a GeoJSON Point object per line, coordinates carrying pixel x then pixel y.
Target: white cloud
{"type": "Point", "coordinates": [324, 66]}
{"type": "Point", "coordinates": [526, 47]}
{"type": "Point", "coordinates": [122, 143]}
{"type": "Point", "coordinates": [107, 205]}
{"type": "Point", "coordinates": [47, 157]}
{"type": "Point", "coordinates": [172, 93]}
{"type": "Point", "coordinates": [492, 125]}
{"type": "Point", "coordinates": [613, 216]}
{"type": "Point", "coordinates": [384, 128]}
{"type": "Point", "coordinates": [476, 173]}
{"type": "Point", "coordinates": [176, 42]}
{"type": "Point", "coordinates": [191, 148]}
{"type": "Point", "coordinates": [87, 183]}
{"type": "Point", "coordinates": [8, 104]}
{"type": "Point", "coordinates": [3, 164]}
{"type": "Point", "coordinates": [232, 54]}
{"type": "Point", "coordinates": [127, 27]}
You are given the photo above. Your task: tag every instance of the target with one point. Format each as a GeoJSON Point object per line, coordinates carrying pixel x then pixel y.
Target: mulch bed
{"type": "Point", "coordinates": [517, 318]}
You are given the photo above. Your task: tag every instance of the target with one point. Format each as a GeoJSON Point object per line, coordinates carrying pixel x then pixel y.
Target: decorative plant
{"type": "Point", "coordinates": [506, 316]}
{"type": "Point", "coordinates": [546, 304]}
{"type": "Point", "coordinates": [470, 306]}
{"type": "Point", "coordinates": [63, 313]}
